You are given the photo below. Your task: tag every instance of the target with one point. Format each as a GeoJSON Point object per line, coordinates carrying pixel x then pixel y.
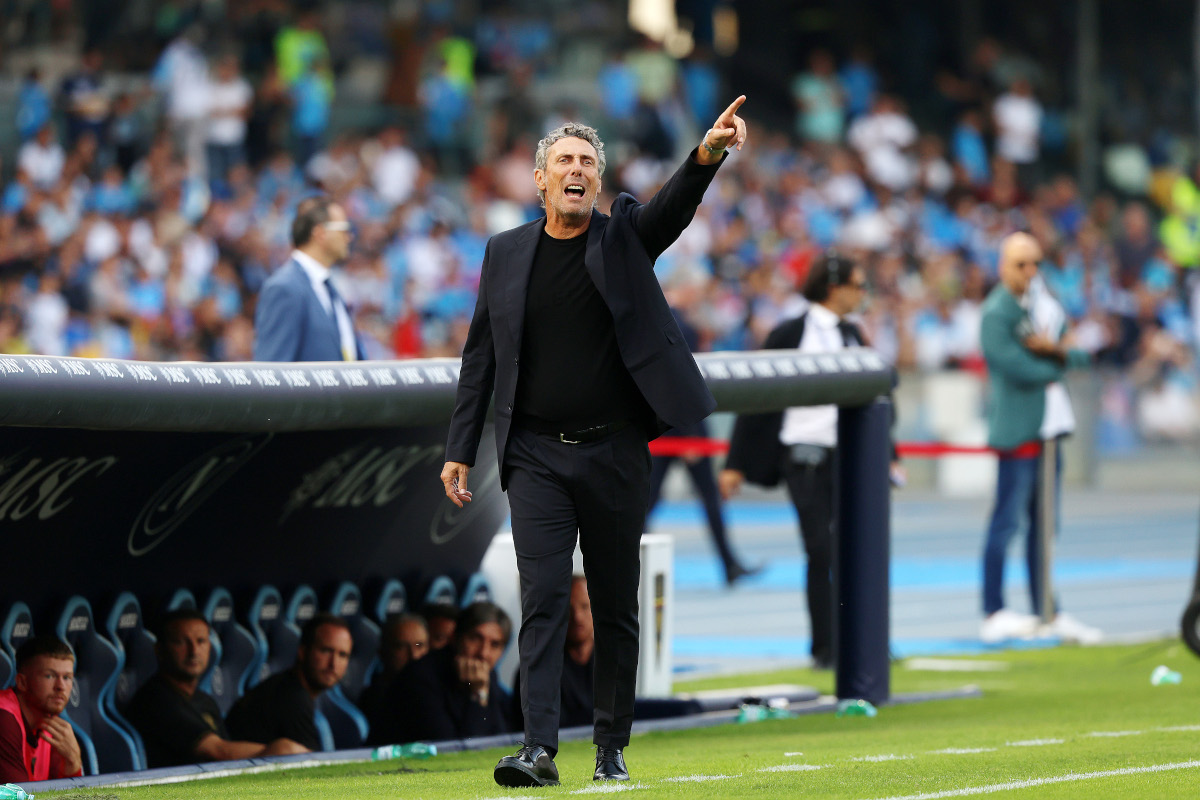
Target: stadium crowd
{"type": "Point", "coordinates": [139, 220]}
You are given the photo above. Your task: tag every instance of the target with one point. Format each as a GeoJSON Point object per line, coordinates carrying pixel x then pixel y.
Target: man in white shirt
{"type": "Point", "coordinates": [797, 444]}
{"type": "Point", "coordinates": [42, 158]}
{"type": "Point", "coordinates": [301, 315]}
{"type": "Point", "coordinates": [229, 101]}
{"type": "Point", "coordinates": [1018, 118]}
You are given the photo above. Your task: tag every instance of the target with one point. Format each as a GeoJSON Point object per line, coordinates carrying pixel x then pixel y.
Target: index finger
{"type": "Point", "coordinates": [733, 107]}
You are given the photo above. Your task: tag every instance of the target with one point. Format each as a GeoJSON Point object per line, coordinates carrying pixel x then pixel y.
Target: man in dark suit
{"type": "Point", "coordinates": [573, 335]}
{"type": "Point", "coordinates": [798, 444]}
{"type": "Point", "coordinates": [300, 315]}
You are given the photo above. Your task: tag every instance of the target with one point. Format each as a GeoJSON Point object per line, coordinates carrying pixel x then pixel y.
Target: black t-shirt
{"type": "Point", "coordinates": [571, 375]}
{"type": "Point", "coordinates": [278, 707]}
{"type": "Point", "coordinates": [172, 724]}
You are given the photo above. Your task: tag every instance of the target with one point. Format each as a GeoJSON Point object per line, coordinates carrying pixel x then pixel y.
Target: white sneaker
{"type": "Point", "coordinates": [1005, 624]}
{"type": "Point", "coordinates": [1069, 629]}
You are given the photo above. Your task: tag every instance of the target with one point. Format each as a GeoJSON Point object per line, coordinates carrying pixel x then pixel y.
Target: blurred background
{"type": "Point", "coordinates": [152, 151]}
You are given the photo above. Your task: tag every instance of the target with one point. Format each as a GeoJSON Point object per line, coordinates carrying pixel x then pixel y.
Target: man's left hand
{"type": "Point", "coordinates": [57, 731]}
{"type": "Point", "coordinates": [728, 130]}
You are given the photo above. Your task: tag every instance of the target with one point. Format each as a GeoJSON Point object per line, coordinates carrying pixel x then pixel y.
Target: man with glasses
{"type": "Point", "coordinates": [797, 444]}
{"type": "Point", "coordinates": [300, 315]}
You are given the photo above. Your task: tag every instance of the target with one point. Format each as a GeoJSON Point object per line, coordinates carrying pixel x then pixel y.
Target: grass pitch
{"type": "Point", "coordinates": [1054, 723]}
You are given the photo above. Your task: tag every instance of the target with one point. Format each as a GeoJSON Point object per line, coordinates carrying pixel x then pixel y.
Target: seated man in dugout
{"type": "Point", "coordinates": [440, 619]}
{"type": "Point", "coordinates": [283, 704]}
{"type": "Point", "coordinates": [180, 723]}
{"type": "Point", "coordinates": [404, 639]}
{"type": "Point", "coordinates": [36, 743]}
{"type": "Point", "coordinates": [453, 693]}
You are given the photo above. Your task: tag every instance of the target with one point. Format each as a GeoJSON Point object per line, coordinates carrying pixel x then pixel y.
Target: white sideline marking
{"type": "Point", "coordinates": [954, 665]}
{"type": "Point", "coordinates": [1112, 734]}
{"type": "Point", "coordinates": [608, 787]}
{"type": "Point", "coordinates": [885, 757]}
{"type": "Point", "coordinates": [700, 778]}
{"type": "Point", "coordinates": [961, 751]}
{"type": "Point", "coordinates": [793, 755]}
{"type": "Point", "coordinates": [1034, 742]}
{"type": "Point", "coordinates": [1068, 778]}
{"type": "Point", "coordinates": [1180, 728]}
{"type": "Point", "coordinates": [792, 768]}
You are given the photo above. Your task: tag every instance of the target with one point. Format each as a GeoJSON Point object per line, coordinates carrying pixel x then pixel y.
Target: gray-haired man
{"type": "Point", "coordinates": [573, 336]}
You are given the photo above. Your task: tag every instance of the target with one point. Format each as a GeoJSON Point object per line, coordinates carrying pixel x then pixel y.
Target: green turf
{"type": "Point", "coordinates": [1066, 694]}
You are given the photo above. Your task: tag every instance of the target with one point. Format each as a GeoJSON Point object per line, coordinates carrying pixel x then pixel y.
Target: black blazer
{"type": "Point", "coordinates": [620, 255]}
{"type": "Point", "coordinates": [754, 447]}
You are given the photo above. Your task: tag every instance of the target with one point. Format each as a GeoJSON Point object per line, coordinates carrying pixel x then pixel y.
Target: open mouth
{"type": "Point", "coordinates": [574, 190]}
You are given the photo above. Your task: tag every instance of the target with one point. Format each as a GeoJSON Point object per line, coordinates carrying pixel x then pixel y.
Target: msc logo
{"type": "Point", "coordinates": [187, 490]}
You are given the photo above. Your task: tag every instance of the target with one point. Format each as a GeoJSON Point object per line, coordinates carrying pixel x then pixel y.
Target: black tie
{"type": "Point", "coordinates": [335, 300]}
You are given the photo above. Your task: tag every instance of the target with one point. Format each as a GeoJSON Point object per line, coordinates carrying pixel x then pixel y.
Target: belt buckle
{"type": "Point", "coordinates": [562, 437]}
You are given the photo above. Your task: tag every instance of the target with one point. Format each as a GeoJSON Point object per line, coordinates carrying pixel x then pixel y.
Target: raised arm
{"type": "Point", "coordinates": [660, 221]}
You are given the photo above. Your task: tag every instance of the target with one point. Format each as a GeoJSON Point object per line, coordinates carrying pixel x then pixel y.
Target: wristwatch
{"type": "Point", "coordinates": [704, 143]}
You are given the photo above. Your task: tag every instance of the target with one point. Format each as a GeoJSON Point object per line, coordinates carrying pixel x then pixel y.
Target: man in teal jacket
{"type": "Point", "coordinates": [1027, 404]}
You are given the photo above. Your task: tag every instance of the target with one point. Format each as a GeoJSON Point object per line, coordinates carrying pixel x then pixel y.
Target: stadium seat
{"type": "Point", "coordinates": [477, 590]}
{"type": "Point", "coordinates": [107, 746]}
{"type": "Point", "coordinates": [235, 651]}
{"type": "Point", "coordinates": [347, 724]}
{"type": "Point", "coordinates": [393, 599]}
{"type": "Point", "coordinates": [7, 669]}
{"type": "Point", "coordinates": [441, 591]}
{"type": "Point", "coordinates": [277, 638]}
{"type": "Point", "coordinates": [17, 627]}
{"type": "Point", "coordinates": [347, 604]}
{"type": "Point", "coordinates": [183, 598]}
{"type": "Point", "coordinates": [302, 606]}
{"type": "Point", "coordinates": [126, 629]}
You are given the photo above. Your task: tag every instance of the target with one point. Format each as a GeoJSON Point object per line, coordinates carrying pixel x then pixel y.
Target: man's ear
{"type": "Point", "coordinates": [22, 683]}
{"type": "Point", "coordinates": [539, 179]}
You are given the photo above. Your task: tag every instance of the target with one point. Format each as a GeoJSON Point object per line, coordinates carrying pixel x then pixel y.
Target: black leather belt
{"type": "Point", "coordinates": [588, 434]}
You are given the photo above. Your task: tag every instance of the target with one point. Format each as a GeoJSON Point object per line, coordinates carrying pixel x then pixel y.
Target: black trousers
{"type": "Point", "coordinates": [811, 489]}
{"type": "Point", "coordinates": [598, 492]}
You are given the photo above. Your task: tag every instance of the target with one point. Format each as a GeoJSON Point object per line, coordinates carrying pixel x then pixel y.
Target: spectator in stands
{"type": "Point", "coordinates": [42, 158]}
{"type": "Point", "coordinates": [33, 106]}
{"type": "Point", "coordinates": [229, 101]}
{"type": "Point", "coordinates": [1018, 118]}
{"type": "Point", "coordinates": [820, 103]}
{"type": "Point", "coordinates": [1026, 359]}
{"type": "Point", "coordinates": [180, 723]}
{"type": "Point", "coordinates": [36, 743]}
{"type": "Point", "coordinates": [441, 618]}
{"type": "Point", "coordinates": [312, 96]}
{"type": "Point", "coordinates": [85, 99]}
{"type": "Point", "coordinates": [454, 693]}
{"type": "Point", "coordinates": [301, 45]}
{"type": "Point", "coordinates": [282, 706]}
{"type": "Point", "coordinates": [301, 315]}
{"type": "Point", "coordinates": [798, 444]}
{"type": "Point", "coordinates": [181, 75]}
{"type": "Point", "coordinates": [404, 639]}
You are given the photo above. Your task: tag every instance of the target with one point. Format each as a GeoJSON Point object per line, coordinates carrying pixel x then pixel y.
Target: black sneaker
{"type": "Point", "coordinates": [531, 766]}
{"type": "Point", "coordinates": [610, 765]}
